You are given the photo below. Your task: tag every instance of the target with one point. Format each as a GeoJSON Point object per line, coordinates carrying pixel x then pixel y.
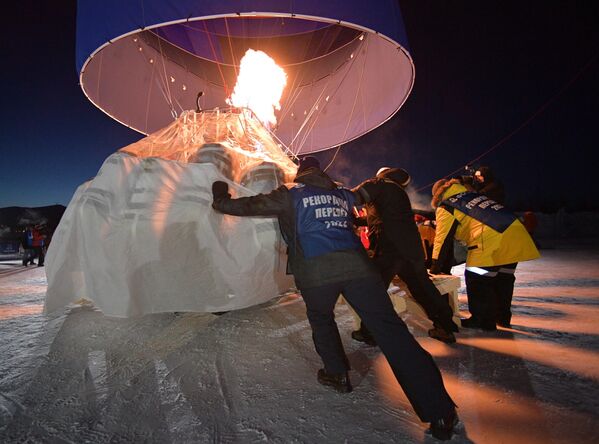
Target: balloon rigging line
{"type": "Point", "coordinates": [334, 157]}
{"type": "Point", "coordinates": [148, 97]}
{"type": "Point", "coordinates": [293, 99]}
{"type": "Point", "coordinates": [296, 92]}
{"type": "Point", "coordinates": [310, 114]}
{"type": "Point", "coordinates": [349, 66]}
{"type": "Point", "coordinates": [299, 131]}
{"type": "Point", "coordinates": [166, 81]}
{"type": "Point", "coordinates": [355, 99]}
{"type": "Point", "coordinates": [538, 112]}
{"type": "Point", "coordinates": [222, 76]}
{"type": "Point", "coordinates": [231, 48]}
{"type": "Point", "coordinates": [316, 104]}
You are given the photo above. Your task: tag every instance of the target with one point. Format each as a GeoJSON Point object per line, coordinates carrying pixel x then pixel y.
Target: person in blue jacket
{"type": "Point", "coordinates": [327, 259]}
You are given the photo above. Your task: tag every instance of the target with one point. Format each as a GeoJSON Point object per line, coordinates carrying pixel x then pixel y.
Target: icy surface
{"type": "Point", "coordinates": [249, 375]}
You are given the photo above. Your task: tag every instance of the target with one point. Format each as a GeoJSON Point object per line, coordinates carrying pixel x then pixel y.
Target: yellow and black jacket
{"type": "Point", "coordinates": [487, 246]}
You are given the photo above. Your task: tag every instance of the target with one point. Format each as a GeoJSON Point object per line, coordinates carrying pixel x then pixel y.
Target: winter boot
{"type": "Point", "coordinates": [472, 322]}
{"type": "Point", "coordinates": [442, 335]}
{"type": "Point", "coordinates": [363, 335]}
{"type": "Point", "coordinates": [443, 428]}
{"type": "Point", "coordinates": [338, 381]}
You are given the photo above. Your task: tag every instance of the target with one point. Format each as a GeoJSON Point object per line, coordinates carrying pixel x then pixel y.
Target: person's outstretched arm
{"type": "Point", "coordinates": [271, 204]}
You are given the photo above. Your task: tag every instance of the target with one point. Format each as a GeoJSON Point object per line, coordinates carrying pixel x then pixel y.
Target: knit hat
{"type": "Point", "coordinates": [308, 162]}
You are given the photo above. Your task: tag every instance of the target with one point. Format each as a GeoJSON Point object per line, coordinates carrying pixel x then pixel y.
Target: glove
{"type": "Point", "coordinates": [435, 268]}
{"type": "Point", "coordinates": [220, 190]}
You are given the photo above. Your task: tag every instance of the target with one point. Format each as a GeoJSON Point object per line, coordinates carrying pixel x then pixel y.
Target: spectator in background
{"type": "Point", "coordinates": [27, 243]}
{"type": "Point", "coordinates": [38, 244]}
{"type": "Point", "coordinates": [485, 183]}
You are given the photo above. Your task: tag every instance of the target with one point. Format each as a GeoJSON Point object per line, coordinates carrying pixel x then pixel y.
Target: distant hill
{"type": "Point", "coordinates": [14, 218]}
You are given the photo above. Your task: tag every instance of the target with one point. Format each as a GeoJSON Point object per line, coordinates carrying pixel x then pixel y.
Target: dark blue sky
{"type": "Point", "coordinates": [482, 70]}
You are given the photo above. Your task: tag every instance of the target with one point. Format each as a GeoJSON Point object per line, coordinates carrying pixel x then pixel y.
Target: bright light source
{"type": "Point", "coordinates": [259, 86]}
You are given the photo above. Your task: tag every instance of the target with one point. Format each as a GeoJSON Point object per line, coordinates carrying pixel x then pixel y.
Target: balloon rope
{"type": "Point", "coordinates": [334, 157]}
{"type": "Point", "coordinates": [168, 95]}
{"type": "Point", "coordinates": [359, 90]}
{"type": "Point", "coordinates": [222, 76]}
{"type": "Point", "coordinates": [350, 65]}
{"type": "Point", "coordinates": [294, 93]}
{"type": "Point", "coordinates": [231, 48]}
{"type": "Point", "coordinates": [538, 112]}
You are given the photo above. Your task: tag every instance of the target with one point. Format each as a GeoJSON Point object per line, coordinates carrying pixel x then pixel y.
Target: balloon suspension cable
{"type": "Point", "coordinates": [333, 159]}
{"type": "Point", "coordinates": [315, 106]}
{"type": "Point", "coordinates": [534, 115]}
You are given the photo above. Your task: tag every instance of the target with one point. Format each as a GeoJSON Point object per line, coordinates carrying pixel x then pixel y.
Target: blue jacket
{"type": "Point", "coordinates": [318, 255]}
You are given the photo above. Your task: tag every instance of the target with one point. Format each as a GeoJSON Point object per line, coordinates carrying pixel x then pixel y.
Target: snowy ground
{"type": "Point", "coordinates": [249, 376]}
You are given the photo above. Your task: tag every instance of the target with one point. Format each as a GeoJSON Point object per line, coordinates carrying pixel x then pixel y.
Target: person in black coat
{"type": "Point", "coordinates": [398, 249]}
{"type": "Point", "coordinates": [327, 259]}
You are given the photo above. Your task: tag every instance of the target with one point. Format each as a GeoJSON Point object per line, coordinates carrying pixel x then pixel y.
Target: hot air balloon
{"type": "Point", "coordinates": [223, 90]}
{"type": "Point", "coordinates": [144, 62]}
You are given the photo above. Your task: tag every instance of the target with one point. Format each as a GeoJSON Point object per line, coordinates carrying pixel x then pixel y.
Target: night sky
{"type": "Point", "coordinates": [526, 72]}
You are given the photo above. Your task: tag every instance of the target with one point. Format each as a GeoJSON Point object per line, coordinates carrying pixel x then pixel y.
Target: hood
{"type": "Point", "coordinates": [444, 189]}
{"type": "Point", "coordinates": [315, 177]}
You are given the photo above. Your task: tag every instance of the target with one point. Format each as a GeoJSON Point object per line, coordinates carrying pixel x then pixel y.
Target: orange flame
{"type": "Point", "coordinates": [259, 86]}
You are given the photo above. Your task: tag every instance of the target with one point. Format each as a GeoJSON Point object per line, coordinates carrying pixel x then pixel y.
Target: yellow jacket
{"type": "Point", "coordinates": [486, 247]}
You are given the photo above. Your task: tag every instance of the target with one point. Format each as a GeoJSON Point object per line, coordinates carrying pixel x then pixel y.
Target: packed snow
{"type": "Point", "coordinates": [250, 375]}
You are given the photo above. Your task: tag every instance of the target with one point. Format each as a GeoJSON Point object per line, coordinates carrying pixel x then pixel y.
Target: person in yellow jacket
{"type": "Point", "coordinates": [496, 242]}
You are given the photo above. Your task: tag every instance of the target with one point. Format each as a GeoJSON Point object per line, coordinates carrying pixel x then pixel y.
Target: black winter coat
{"type": "Point", "coordinates": [392, 223]}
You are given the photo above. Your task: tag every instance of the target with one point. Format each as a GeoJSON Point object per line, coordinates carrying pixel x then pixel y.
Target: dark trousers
{"type": "Point", "coordinates": [413, 366]}
{"type": "Point", "coordinates": [39, 253]}
{"type": "Point", "coordinates": [421, 288]}
{"type": "Point", "coordinates": [490, 294]}
{"type": "Point", "coordinates": [28, 256]}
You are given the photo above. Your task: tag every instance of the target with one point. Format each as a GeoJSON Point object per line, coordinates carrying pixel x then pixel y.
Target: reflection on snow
{"type": "Point", "coordinates": [249, 375]}
{"type": "Point", "coordinates": [11, 310]}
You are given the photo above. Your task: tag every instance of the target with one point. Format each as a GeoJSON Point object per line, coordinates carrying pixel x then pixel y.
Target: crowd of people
{"type": "Point", "coordinates": [328, 259]}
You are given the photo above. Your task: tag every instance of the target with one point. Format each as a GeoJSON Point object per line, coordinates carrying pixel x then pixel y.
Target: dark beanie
{"type": "Point", "coordinates": [308, 162]}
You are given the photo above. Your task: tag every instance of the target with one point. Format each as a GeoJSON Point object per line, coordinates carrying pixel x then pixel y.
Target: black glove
{"type": "Point", "coordinates": [435, 268]}
{"type": "Point", "coordinates": [220, 190]}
